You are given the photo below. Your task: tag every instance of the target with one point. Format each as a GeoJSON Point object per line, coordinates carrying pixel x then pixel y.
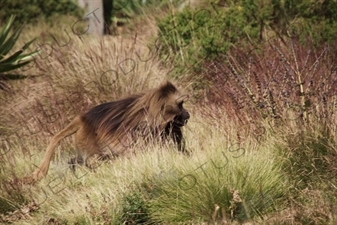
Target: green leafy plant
{"type": "Point", "coordinates": [124, 12]}
{"type": "Point", "coordinates": [194, 34]}
{"type": "Point", "coordinates": [135, 210]}
{"type": "Point", "coordinates": [17, 59]}
{"type": "Point", "coordinates": [34, 11]}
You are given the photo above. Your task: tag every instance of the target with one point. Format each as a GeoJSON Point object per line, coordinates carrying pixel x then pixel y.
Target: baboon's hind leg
{"type": "Point", "coordinates": [86, 147]}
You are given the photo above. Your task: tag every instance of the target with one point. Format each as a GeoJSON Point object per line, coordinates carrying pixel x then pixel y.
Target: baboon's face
{"type": "Point", "coordinates": [177, 111]}
{"type": "Point", "coordinates": [182, 118]}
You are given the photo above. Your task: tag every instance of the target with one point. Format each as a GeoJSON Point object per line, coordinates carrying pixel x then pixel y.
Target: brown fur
{"type": "Point", "coordinates": [112, 125]}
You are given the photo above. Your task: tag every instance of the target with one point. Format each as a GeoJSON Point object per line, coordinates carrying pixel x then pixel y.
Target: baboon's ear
{"type": "Point", "coordinates": [167, 89]}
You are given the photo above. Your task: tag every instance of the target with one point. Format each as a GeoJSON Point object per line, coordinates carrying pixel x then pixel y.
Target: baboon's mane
{"type": "Point", "coordinates": [114, 119]}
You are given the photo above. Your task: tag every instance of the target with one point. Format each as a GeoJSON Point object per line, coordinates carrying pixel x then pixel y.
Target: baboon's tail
{"type": "Point", "coordinates": [69, 130]}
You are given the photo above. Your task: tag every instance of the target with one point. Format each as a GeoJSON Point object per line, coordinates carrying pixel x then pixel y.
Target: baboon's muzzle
{"type": "Point", "coordinates": [182, 119]}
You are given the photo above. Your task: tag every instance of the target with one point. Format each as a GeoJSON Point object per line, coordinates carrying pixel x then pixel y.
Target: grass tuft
{"type": "Point", "coordinates": [217, 186]}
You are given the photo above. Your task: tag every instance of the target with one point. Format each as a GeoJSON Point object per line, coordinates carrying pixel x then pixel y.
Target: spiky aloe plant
{"type": "Point", "coordinates": [7, 42]}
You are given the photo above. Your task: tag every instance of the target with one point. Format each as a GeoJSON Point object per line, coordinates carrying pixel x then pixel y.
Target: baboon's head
{"type": "Point", "coordinates": [173, 109]}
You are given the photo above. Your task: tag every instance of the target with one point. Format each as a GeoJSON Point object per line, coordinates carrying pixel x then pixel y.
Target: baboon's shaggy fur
{"type": "Point", "coordinates": [115, 125]}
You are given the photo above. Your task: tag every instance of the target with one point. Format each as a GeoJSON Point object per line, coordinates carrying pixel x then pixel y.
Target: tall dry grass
{"type": "Point", "coordinates": [262, 139]}
{"type": "Point", "coordinates": [67, 78]}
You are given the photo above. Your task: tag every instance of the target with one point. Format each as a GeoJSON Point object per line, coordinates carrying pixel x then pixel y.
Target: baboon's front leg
{"type": "Point", "coordinates": [75, 161]}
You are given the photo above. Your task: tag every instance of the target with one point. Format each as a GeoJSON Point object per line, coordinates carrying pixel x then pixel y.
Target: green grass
{"type": "Point", "coordinates": [218, 186]}
{"type": "Point", "coordinates": [176, 188]}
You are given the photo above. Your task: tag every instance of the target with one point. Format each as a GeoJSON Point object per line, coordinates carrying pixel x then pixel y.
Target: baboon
{"type": "Point", "coordinates": [113, 126]}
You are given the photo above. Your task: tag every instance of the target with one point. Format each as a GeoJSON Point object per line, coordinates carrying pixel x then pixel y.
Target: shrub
{"type": "Point", "coordinates": [121, 12]}
{"type": "Point", "coordinates": [135, 209]}
{"type": "Point", "coordinates": [195, 34]}
{"type": "Point", "coordinates": [274, 83]}
{"type": "Point", "coordinates": [30, 11]}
